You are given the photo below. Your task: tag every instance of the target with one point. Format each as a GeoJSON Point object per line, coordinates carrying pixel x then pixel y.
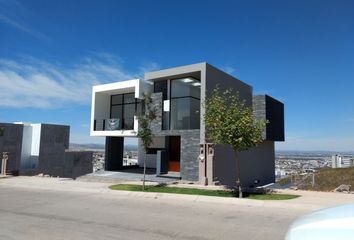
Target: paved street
{"type": "Point", "coordinates": [57, 209]}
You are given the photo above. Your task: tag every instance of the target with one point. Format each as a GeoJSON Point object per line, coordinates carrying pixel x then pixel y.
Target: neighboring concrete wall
{"type": "Point", "coordinates": [77, 163]}
{"type": "Point", "coordinates": [44, 144]}
{"type": "Point", "coordinates": [11, 142]}
{"type": "Point", "coordinates": [190, 140]}
{"type": "Point", "coordinates": [53, 142]}
{"type": "Point", "coordinates": [114, 153]}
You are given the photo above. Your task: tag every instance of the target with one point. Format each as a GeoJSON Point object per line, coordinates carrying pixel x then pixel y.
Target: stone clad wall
{"type": "Point", "coordinates": [11, 141]}
{"type": "Point", "coordinates": [259, 109]}
{"type": "Point", "coordinates": [266, 107]}
{"type": "Point", "coordinates": [190, 140]}
{"type": "Point", "coordinates": [53, 143]}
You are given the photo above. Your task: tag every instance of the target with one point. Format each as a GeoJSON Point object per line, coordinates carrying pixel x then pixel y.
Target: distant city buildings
{"type": "Point", "coordinates": [339, 161]}
{"type": "Point", "coordinates": [295, 163]}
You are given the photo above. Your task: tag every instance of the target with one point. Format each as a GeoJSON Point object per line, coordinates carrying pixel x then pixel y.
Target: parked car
{"type": "Point", "coordinates": [330, 223]}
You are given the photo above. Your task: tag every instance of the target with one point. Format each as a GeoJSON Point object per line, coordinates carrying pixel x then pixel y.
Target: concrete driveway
{"type": "Point", "coordinates": [46, 208]}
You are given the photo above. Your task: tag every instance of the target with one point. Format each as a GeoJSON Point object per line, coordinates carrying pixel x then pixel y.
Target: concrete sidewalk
{"type": "Point", "coordinates": [308, 201]}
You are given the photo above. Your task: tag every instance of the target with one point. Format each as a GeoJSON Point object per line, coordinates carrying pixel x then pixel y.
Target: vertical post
{"type": "Point", "coordinates": [5, 157]}
{"type": "Point", "coordinates": [104, 125]}
{"type": "Point", "coordinates": [313, 180]}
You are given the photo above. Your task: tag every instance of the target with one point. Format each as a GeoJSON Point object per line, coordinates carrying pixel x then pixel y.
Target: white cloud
{"type": "Point", "coordinates": [39, 84]}
{"type": "Point", "coordinates": [22, 27]}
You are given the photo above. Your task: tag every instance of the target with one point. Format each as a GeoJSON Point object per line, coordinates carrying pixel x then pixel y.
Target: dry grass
{"type": "Point", "coordinates": [330, 178]}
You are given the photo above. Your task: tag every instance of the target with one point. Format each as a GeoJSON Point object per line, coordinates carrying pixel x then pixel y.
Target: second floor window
{"type": "Point", "coordinates": [124, 107]}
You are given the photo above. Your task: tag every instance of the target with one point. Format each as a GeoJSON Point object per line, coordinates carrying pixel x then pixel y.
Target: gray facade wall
{"type": "Point", "coordinates": [215, 77]}
{"type": "Point", "coordinates": [11, 141]}
{"type": "Point", "coordinates": [190, 140]}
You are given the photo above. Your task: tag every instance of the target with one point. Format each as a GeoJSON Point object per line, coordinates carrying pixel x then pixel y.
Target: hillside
{"type": "Point", "coordinates": [328, 179]}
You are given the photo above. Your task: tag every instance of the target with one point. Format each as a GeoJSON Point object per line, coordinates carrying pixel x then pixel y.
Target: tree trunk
{"type": "Point", "coordinates": [238, 171]}
{"type": "Point", "coordinates": [144, 171]}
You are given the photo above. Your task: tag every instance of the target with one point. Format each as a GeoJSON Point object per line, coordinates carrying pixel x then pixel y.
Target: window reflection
{"type": "Point", "coordinates": [123, 108]}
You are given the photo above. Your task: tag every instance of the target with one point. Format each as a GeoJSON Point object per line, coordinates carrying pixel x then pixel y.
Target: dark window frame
{"type": "Point", "coordinates": [136, 102]}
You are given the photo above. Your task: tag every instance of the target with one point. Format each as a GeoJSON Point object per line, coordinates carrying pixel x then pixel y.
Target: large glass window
{"type": "Point", "coordinates": [116, 112]}
{"type": "Point", "coordinates": [128, 116]}
{"type": "Point", "coordinates": [185, 113]}
{"type": "Point", "coordinates": [185, 87]}
{"type": "Point", "coordinates": [185, 104]}
{"type": "Point", "coordinates": [123, 108]}
{"type": "Point", "coordinates": [180, 103]}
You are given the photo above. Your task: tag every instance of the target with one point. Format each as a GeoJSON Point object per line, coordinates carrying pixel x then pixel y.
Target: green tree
{"type": "Point", "coordinates": [228, 120]}
{"type": "Point", "coordinates": [145, 133]}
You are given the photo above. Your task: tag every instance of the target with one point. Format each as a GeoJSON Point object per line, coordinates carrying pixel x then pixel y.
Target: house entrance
{"type": "Point", "coordinates": [174, 163]}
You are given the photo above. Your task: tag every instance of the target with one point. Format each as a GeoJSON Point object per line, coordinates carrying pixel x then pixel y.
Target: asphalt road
{"type": "Point", "coordinates": [50, 214]}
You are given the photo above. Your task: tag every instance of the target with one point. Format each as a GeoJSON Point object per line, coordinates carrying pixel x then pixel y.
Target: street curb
{"type": "Point", "coordinates": [284, 204]}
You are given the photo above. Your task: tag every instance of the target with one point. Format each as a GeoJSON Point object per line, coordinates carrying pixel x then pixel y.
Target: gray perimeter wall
{"type": "Point", "coordinates": [11, 142]}
{"type": "Point", "coordinates": [255, 164]}
{"type": "Point", "coordinates": [189, 143]}
{"type": "Point", "coordinates": [258, 164]}
{"type": "Point", "coordinates": [77, 163]}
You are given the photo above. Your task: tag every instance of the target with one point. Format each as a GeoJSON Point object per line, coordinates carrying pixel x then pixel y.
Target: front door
{"type": "Point", "coordinates": [174, 153]}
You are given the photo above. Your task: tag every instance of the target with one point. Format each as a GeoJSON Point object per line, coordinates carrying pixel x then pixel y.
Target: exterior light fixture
{"type": "Point", "coordinates": [187, 80]}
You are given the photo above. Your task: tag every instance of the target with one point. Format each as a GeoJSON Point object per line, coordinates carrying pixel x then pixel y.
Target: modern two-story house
{"type": "Point", "coordinates": [179, 144]}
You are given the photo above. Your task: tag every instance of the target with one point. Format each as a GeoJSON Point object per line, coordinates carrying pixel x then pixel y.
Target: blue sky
{"type": "Point", "coordinates": [301, 52]}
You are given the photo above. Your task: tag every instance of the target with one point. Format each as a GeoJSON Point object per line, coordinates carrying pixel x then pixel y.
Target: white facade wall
{"type": "Point", "coordinates": [30, 145]}
{"type": "Point", "coordinates": [36, 139]}
{"type": "Point", "coordinates": [101, 100]}
{"type": "Point", "coordinates": [26, 147]}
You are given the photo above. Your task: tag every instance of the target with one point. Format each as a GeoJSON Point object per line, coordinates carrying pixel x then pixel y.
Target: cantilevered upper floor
{"type": "Point", "coordinates": [115, 107]}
